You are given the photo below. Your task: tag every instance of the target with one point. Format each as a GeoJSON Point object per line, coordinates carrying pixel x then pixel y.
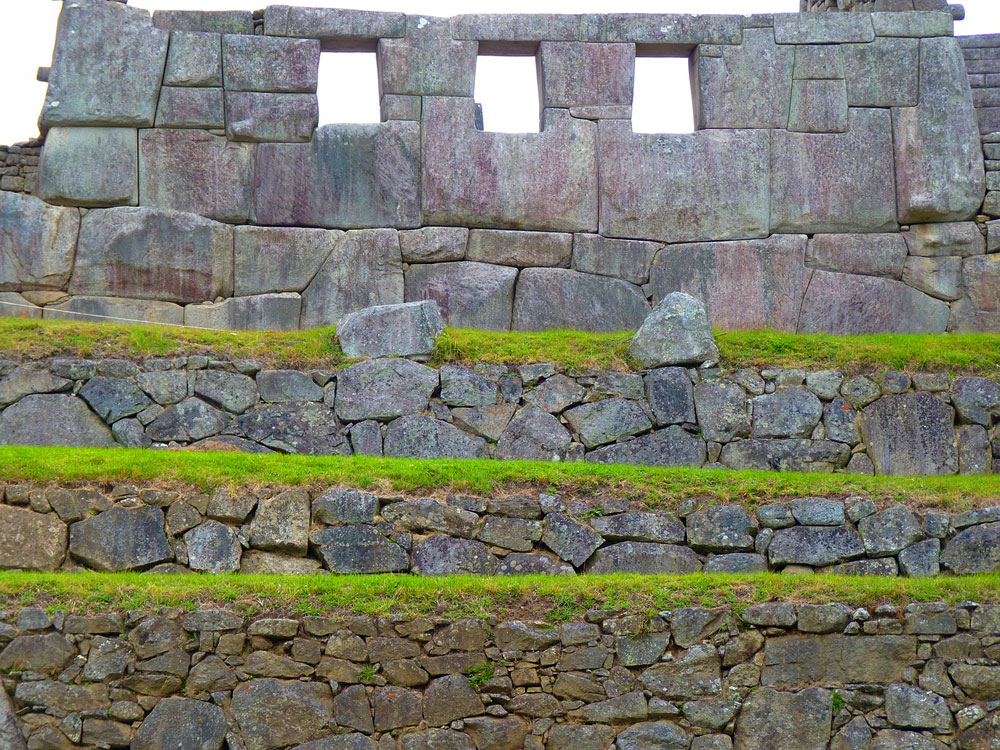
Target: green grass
{"type": "Point", "coordinates": [554, 599]}
{"type": "Point", "coordinates": [661, 487]}
{"type": "Point", "coordinates": [957, 353]}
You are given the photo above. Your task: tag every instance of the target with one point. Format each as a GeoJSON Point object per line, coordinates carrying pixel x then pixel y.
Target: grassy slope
{"type": "Point", "coordinates": [547, 598]}
{"type": "Point", "coordinates": [661, 487]}
{"type": "Point", "coordinates": [571, 349]}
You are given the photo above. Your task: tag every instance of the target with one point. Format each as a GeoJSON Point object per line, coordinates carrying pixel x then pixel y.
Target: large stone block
{"type": "Point", "coordinates": [106, 68]}
{"type": "Point", "coordinates": [260, 312]}
{"type": "Point", "coordinates": [350, 176]}
{"type": "Point", "coordinates": [37, 243]}
{"type": "Point", "coordinates": [363, 269]}
{"type": "Point", "coordinates": [661, 28]}
{"type": "Point", "coordinates": [434, 244]}
{"type": "Point", "coordinates": [417, 436]}
{"type": "Point", "coordinates": [626, 259]}
{"type": "Point", "coordinates": [279, 259]}
{"type": "Point", "coordinates": [671, 446]}
{"type": "Point", "coordinates": [712, 185]}
{"type": "Point", "coordinates": [826, 28]}
{"type": "Point", "coordinates": [53, 419]}
{"type": "Point", "coordinates": [744, 285]}
{"type": "Point", "coordinates": [791, 454]}
{"type": "Point", "coordinates": [89, 167]}
{"type": "Point", "coordinates": [470, 295]}
{"type": "Point", "coordinates": [580, 73]}
{"type": "Point", "coordinates": [194, 59]}
{"type": "Point", "coordinates": [30, 541]}
{"type": "Point", "coordinates": [120, 539]}
{"type": "Point", "coordinates": [834, 182]}
{"type": "Point", "coordinates": [836, 659]}
{"type": "Point", "coordinates": [864, 254]}
{"type": "Point", "coordinates": [773, 720]}
{"type": "Point", "coordinates": [269, 64]}
{"type": "Point", "coordinates": [818, 106]}
{"type": "Point", "coordinates": [182, 107]}
{"type": "Point", "coordinates": [332, 24]}
{"type": "Point", "coordinates": [982, 284]}
{"type": "Point", "coordinates": [882, 73]}
{"type": "Point", "coordinates": [559, 298]}
{"type": "Point", "coordinates": [282, 118]}
{"type": "Point", "coordinates": [722, 83]}
{"type": "Point", "coordinates": [406, 330]}
{"type": "Point", "coordinates": [427, 61]}
{"type": "Point", "coordinates": [912, 433]}
{"type": "Point", "coordinates": [208, 21]}
{"type": "Point", "coordinates": [151, 254]}
{"type": "Point", "coordinates": [676, 332]}
{"type": "Point", "coordinates": [511, 180]}
{"type": "Point", "coordinates": [521, 249]}
{"type": "Point", "coordinates": [92, 308]}
{"type": "Point", "coordinates": [196, 172]}
{"type": "Point", "coordinates": [945, 238]}
{"type": "Point", "coordinates": [939, 166]}
{"type": "Point", "coordinates": [845, 304]}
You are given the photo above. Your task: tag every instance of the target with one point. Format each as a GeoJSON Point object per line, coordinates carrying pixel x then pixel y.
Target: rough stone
{"type": "Point", "coordinates": [113, 398]}
{"type": "Point", "coordinates": [549, 298]}
{"type": "Point", "coordinates": [814, 545]}
{"type": "Point", "coordinates": [358, 548]}
{"type": "Point", "coordinates": [671, 396]}
{"type": "Point", "coordinates": [406, 330]}
{"type": "Point", "coordinates": [67, 176]}
{"type": "Point", "coordinates": [694, 674]}
{"type": "Point", "coordinates": [533, 434]}
{"type": "Point", "coordinates": [910, 433]}
{"type": "Point", "coordinates": [434, 244]}
{"type": "Point", "coordinates": [863, 254]}
{"type": "Point", "coordinates": [671, 446]}
{"type": "Point", "coordinates": [308, 428]}
{"type": "Point", "coordinates": [213, 547]}
{"type": "Point", "coordinates": [469, 295]}
{"type": "Point", "coordinates": [836, 659]}
{"type": "Point", "coordinates": [37, 243]}
{"type": "Point", "coordinates": [281, 523]}
{"type": "Point", "coordinates": [269, 64]}
{"type": "Point", "coordinates": [191, 419]}
{"type": "Point", "coordinates": [520, 249]}
{"type": "Point", "coordinates": [231, 391]}
{"type": "Point", "coordinates": [442, 555]}
{"type": "Point", "coordinates": [120, 539]}
{"type": "Point", "coordinates": [417, 436]}
{"type": "Point", "coordinates": [100, 308]}
{"type": "Point", "coordinates": [974, 550]}
{"type": "Point", "coordinates": [181, 722]}
{"type": "Point", "coordinates": [572, 540]}
{"type": "Point", "coordinates": [279, 259]}
{"type": "Point", "coordinates": [275, 713]}
{"type": "Point", "coordinates": [789, 412]}
{"type": "Point", "coordinates": [625, 259]}
{"type": "Point", "coordinates": [910, 707]}
{"type": "Point", "coordinates": [31, 541]}
{"type": "Point", "coordinates": [956, 238]}
{"type": "Point", "coordinates": [795, 454]}
{"type": "Point", "coordinates": [271, 118]}
{"type": "Point", "coordinates": [777, 720]}
{"type": "Point", "coordinates": [52, 419]}
{"type": "Point", "coordinates": [664, 528]}
{"type": "Point", "coordinates": [194, 59]}
{"type": "Point", "coordinates": [977, 400]}
{"type": "Point", "coordinates": [342, 506]}
{"type": "Point", "coordinates": [676, 332]}
{"type": "Point", "coordinates": [644, 557]}
{"type": "Point", "coordinates": [722, 410]}
{"type": "Point", "coordinates": [260, 312]}
{"type": "Point", "coordinates": [889, 531]}
{"type": "Point", "coordinates": [384, 389]}
{"type": "Point", "coordinates": [607, 420]}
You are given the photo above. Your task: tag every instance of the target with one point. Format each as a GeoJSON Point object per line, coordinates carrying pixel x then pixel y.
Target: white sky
{"type": "Point", "coordinates": [352, 96]}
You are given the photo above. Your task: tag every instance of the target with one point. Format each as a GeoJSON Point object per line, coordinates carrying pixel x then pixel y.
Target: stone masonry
{"type": "Point", "coordinates": [845, 195]}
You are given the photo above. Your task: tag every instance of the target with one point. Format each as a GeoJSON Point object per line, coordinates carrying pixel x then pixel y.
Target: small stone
{"type": "Point", "coordinates": [676, 332]}
{"type": "Point", "coordinates": [410, 329]}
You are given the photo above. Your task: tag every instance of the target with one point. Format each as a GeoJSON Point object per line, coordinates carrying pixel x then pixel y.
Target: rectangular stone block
{"type": "Point", "coordinates": [986, 97]}
{"type": "Point", "coordinates": [822, 28]}
{"type": "Point", "coordinates": [819, 61]}
{"type": "Point", "coordinates": [194, 171]}
{"type": "Point", "coordinates": [215, 21]}
{"type": "Point", "coordinates": [110, 309]}
{"type": "Point", "coordinates": [434, 244]}
{"type": "Point", "coordinates": [939, 164]}
{"type": "Point", "coordinates": [818, 106]}
{"type": "Point", "coordinates": [544, 180]}
{"type": "Point", "coordinates": [624, 259]}
{"type": "Point", "coordinates": [106, 67]}
{"type": "Point", "coordinates": [744, 285]}
{"type": "Point", "coordinates": [709, 185]}
{"type": "Point", "coordinates": [194, 59]}
{"type": "Point", "coordinates": [988, 119]}
{"type": "Point", "coordinates": [834, 182]}
{"type": "Point", "coordinates": [428, 61]}
{"type": "Point", "coordinates": [263, 312]}
{"type": "Point", "coordinates": [37, 243]}
{"type": "Point", "coordinates": [89, 167]}
{"type": "Point", "coordinates": [348, 176]}
{"type": "Point", "coordinates": [190, 108]}
{"type": "Point", "coordinates": [505, 27]}
{"type": "Point", "coordinates": [581, 73]}
{"type": "Point", "coordinates": [272, 259]}
{"type": "Point", "coordinates": [945, 238]}
{"type": "Point", "coordinates": [883, 73]}
{"type": "Point", "coordinates": [470, 295]}
{"type": "Point", "coordinates": [550, 298]}
{"type": "Point", "coordinates": [281, 118]}
{"type": "Point", "coordinates": [399, 107]}
{"type": "Point", "coordinates": [721, 84]}
{"type": "Point", "coordinates": [661, 28]}
{"type": "Point", "coordinates": [865, 254]}
{"type": "Point", "coordinates": [332, 24]}
{"type": "Point", "coordinates": [914, 24]}
{"type": "Point", "coordinates": [602, 112]}
{"type": "Point", "coordinates": [836, 659]}
{"type": "Point", "coordinates": [258, 63]}
{"type": "Point", "coordinates": [520, 249]}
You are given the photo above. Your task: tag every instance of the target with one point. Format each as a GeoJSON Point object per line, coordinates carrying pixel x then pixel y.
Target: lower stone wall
{"type": "Point", "coordinates": [774, 677]}
{"type": "Point", "coordinates": [347, 531]}
{"type": "Point", "coordinates": [18, 165]}
{"type": "Point", "coordinates": [768, 419]}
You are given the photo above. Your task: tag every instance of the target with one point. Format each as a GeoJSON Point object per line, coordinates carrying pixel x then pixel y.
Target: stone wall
{"type": "Point", "coordinates": [347, 531]}
{"type": "Point", "coordinates": [18, 165]}
{"type": "Point", "coordinates": [771, 419]}
{"type": "Point", "coordinates": [922, 676]}
{"type": "Point", "coordinates": [982, 60]}
{"type": "Point", "coordinates": [879, 6]}
{"type": "Point", "coordinates": [843, 196]}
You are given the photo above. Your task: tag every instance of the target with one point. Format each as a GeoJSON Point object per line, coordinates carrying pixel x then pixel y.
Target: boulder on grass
{"type": "Point", "coordinates": [410, 329]}
{"type": "Point", "coordinates": [676, 332]}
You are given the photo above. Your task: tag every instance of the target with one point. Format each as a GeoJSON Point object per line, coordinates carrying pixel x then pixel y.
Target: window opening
{"type": "Point", "coordinates": [507, 91]}
{"type": "Point", "coordinates": [348, 88]}
{"type": "Point", "coordinates": [662, 101]}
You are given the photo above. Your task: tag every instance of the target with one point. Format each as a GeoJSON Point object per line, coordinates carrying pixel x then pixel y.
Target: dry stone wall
{"type": "Point", "coordinates": [922, 676]}
{"type": "Point", "coordinates": [844, 195]}
{"type": "Point", "coordinates": [771, 419]}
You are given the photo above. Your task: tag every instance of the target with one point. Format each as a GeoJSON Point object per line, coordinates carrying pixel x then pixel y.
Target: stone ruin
{"type": "Point", "coordinates": [836, 180]}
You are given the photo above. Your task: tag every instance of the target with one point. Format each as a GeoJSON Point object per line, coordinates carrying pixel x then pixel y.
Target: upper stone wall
{"type": "Point", "coordinates": [860, 129]}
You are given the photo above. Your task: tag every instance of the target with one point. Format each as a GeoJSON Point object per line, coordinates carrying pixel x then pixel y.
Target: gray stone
{"type": "Point", "coordinates": [533, 434]}
{"type": "Point", "coordinates": [624, 259]}
{"type": "Point", "coordinates": [231, 506]}
{"type": "Point", "coordinates": [572, 540]}
{"type": "Point", "coordinates": [194, 59]}
{"type": "Point", "coordinates": [271, 118]}
{"type": "Point", "coordinates": [417, 436]}
{"type": "Point", "coordinates": [275, 713]}
{"type": "Point", "coordinates": [516, 534]}
{"type": "Point", "coordinates": [789, 412]}
{"type": "Point", "coordinates": [279, 259]}
{"type": "Point", "coordinates": [358, 548]}
{"type": "Point", "coordinates": [30, 541]}
{"type": "Point", "coordinates": [351, 709]}
{"type": "Point", "coordinates": [860, 391]}
{"type": "Point", "coordinates": [549, 298]}
{"type": "Point", "coordinates": [191, 108]}
{"type": "Point", "coordinates": [818, 511]}
{"type": "Point", "coordinates": [284, 386]}
{"type": "Point", "coordinates": [710, 714]}
{"type": "Point", "coordinates": [520, 249]}
{"type": "Point", "coordinates": [434, 244]}
{"type": "Point", "coordinates": [671, 446]}
{"type": "Point", "coordinates": [50, 419]}
{"type": "Point", "coordinates": [269, 64]}
{"type": "Point", "coordinates": [910, 433]}
{"type": "Point", "coordinates": [331, 24]}
{"type": "Point", "coordinates": [889, 531]}
{"type": "Point", "coordinates": [436, 739]}
{"type": "Point", "coordinates": [693, 674]}
{"type": "Point", "coordinates": [670, 394]}
{"type": "Point", "coordinates": [113, 398]}
{"type": "Point", "coordinates": [67, 176]}
{"type": "Point", "coordinates": [605, 421]}
{"type": "Point", "coordinates": [840, 422]}
{"type": "Point", "coordinates": [976, 399]}
{"type": "Point", "coordinates": [469, 295]}
{"type": "Point", "coordinates": [181, 722]}
{"type": "Point", "coordinates": [555, 394]}
{"type": "Point", "coordinates": [722, 410]}
{"type": "Point", "coordinates": [384, 389]}
{"type": "Point", "coordinates": [881, 567]}
{"type": "Point", "coordinates": [775, 720]}
{"type": "Point", "coordinates": [488, 422]}
{"type": "Point", "coordinates": [641, 527]}
{"type": "Point", "coordinates": [405, 330]}
{"type": "Point", "coordinates": [577, 74]}
{"type": "Point", "coordinates": [910, 707]}
{"type": "Point", "coordinates": [792, 28]}
{"type": "Point", "coordinates": [189, 420]}
{"type": "Point", "coordinates": [25, 382]}
{"type": "Point", "coordinates": [207, 21]}
{"type": "Point", "coordinates": [231, 391]}
{"type": "Point", "coordinates": [974, 550]}
{"type": "Point", "coordinates": [428, 61]}
{"type": "Point", "coordinates": [863, 254]}
{"type": "Point", "coordinates": [443, 555]}
{"type": "Point", "coordinates": [814, 545]}
{"type": "Point", "coordinates": [106, 67]}
{"type": "Point", "coordinates": [37, 243]}
{"type": "Point", "coordinates": [938, 277]}
{"type": "Point", "coordinates": [818, 106]}
{"type": "Point", "coordinates": [891, 739]}
{"type": "Point", "coordinates": [366, 438]}
{"type": "Point", "coordinates": [736, 562]}
{"type": "Point", "coordinates": [644, 557]}
{"type": "Point", "coordinates": [882, 73]}
{"type": "Point", "coordinates": [120, 539]}
{"type": "Point", "coordinates": [676, 332]}
{"type": "Point", "coordinates": [308, 428]}
{"type": "Point", "coordinates": [102, 308]}
{"type": "Point", "coordinates": [533, 564]}
{"type": "Point", "coordinates": [822, 618]}
{"type": "Point", "coordinates": [449, 698]}
{"type": "Point", "coordinates": [338, 506]}
{"type": "Point", "coordinates": [281, 523]}
{"type": "Point", "coordinates": [956, 238]}
{"type": "Point", "coordinates": [461, 386]}
{"type": "Point", "coordinates": [260, 312]}
{"type": "Point", "coordinates": [786, 455]}
{"type": "Point", "coordinates": [213, 547]}
{"type": "Point", "coordinates": [974, 452]}
{"type": "Point", "coordinates": [664, 735]}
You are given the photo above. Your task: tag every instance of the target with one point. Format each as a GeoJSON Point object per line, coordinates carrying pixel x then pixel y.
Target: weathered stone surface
{"type": "Point", "coordinates": [263, 118]}
{"type": "Point", "coordinates": [736, 562]}
{"type": "Point", "coordinates": [344, 506]}
{"type": "Point", "coordinates": [31, 541]}
{"type": "Point", "coordinates": [520, 249]}
{"type": "Point", "coordinates": [207, 21]}
{"type": "Point", "coordinates": [359, 548]}
{"type": "Point", "coordinates": [66, 174]}
{"type": "Point", "coordinates": [181, 107]}
{"type": "Point", "coordinates": [641, 527]}
{"type": "Point", "coordinates": [939, 173]}
{"type": "Point", "coordinates": [671, 446]}
{"type": "Point", "coordinates": [882, 73]}
{"type": "Point", "coordinates": [744, 285]}
{"type": "Point", "coordinates": [213, 548]}
{"type": "Point", "coordinates": [518, 181]}
{"type": "Point", "coordinates": [384, 389]}
{"type": "Point", "coordinates": [279, 259]}
{"type": "Point", "coordinates": [911, 433]}
{"type": "Point", "coordinates": [10, 733]}
{"type": "Point", "coordinates": [948, 238]}
{"type": "Point", "coordinates": [533, 434]}
{"type": "Point", "coordinates": [979, 682]}
{"type": "Point", "coordinates": [670, 394]}
{"type": "Point", "coordinates": [24, 382]}
{"type": "Point", "coordinates": [153, 254]}
{"type": "Point", "coordinates": [443, 555]}
{"type": "Point", "coordinates": [348, 176]}
{"type": "Point", "coordinates": [417, 436]}
{"type": "Point", "coordinates": [86, 307]}
{"type": "Point", "coordinates": [61, 700]}
{"type": "Point", "coordinates": [259, 312]}
{"type": "Point", "coordinates": [281, 523]}
{"type": "Point", "coordinates": [834, 183]}
{"type": "Point", "coordinates": [260, 63]}
{"type": "Point", "coordinates": [38, 653]}
{"type": "Point", "coordinates": [533, 564]}
{"type": "Point", "coordinates": [845, 304]}
{"type": "Point", "coordinates": [120, 539]}
{"type": "Point", "coordinates": [974, 550]}
{"type": "Point", "coordinates": [363, 269]}
{"type": "Point", "coordinates": [37, 243]}
{"type": "Point", "coordinates": [287, 386]}
{"type": "Point", "coordinates": [51, 419]}
{"type": "Point", "coordinates": [676, 332]}
{"type": "Point", "coordinates": [275, 713]}
{"type": "Point", "coordinates": [181, 722]}
{"type": "Point", "coordinates": [789, 412]}
{"type": "Point", "coordinates": [191, 419]}
{"type": "Point", "coordinates": [793, 454]}
{"type": "Point", "coordinates": [309, 428]}
{"type": "Point", "coordinates": [434, 244]}
{"type": "Point", "coordinates": [461, 386]}
{"type": "Point", "coordinates": [113, 398]}
{"type": "Point", "coordinates": [624, 259]}
{"type": "Point", "coordinates": [938, 277]}
{"type": "Point", "coordinates": [231, 391]}
{"type": "Point", "coordinates": [469, 295]}
{"type": "Point", "coordinates": [777, 720]}
{"type": "Point", "coordinates": [712, 185]}
{"type": "Point", "coordinates": [722, 410]}
{"type": "Point", "coordinates": [549, 298]}
{"type": "Point", "coordinates": [889, 531]}
{"type": "Point", "coordinates": [572, 540]}
{"type": "Point", "coordinates": [607, 420]}
{"type": "Point", "coordinates": [194, 171]}
{"type": "Point", "coordinates": [721, 529]}
{"type": "Point", "coordinates": [694, 674]}
{"type": "Point", "coordinates": [427, 62]}
{"type": "Point", "coordinates": [489, 422]}
{"type": "Point", "coordinates": [836, 659]}
{"type": "Point", "coordinates": [106, 68]}
{"type": "Point", "coordinates": [814, 545]}
{"type": "Point", "coordinates": [333, 24]}
{"type": "Point", "coordinates": [911, 707]}
{"type": "Point", "coordinates": [664, 28]}
{"type": "Point", "coordinates": [194, 59]}
{"type": "Point", "coordinates": [578, 73]}
{"type": "Point", "coordinates": [449, 698]}
{"type": "Point", "coordinates": [976, 399]}
{"type": "Point", "coordinates": [660, 734]}
{"type": "Point", "coordinates": [863, 254]}
{"type": "Point", "coordinates": [497, 734]}
{"type": "Point", "coordinates": [890, 739]}
{"type": "Point", "coordinates": [644, 557]}
{"type": "Point", "coordinates": [807, 28]}
{"type": "Point", "coordinates": [406, 330]}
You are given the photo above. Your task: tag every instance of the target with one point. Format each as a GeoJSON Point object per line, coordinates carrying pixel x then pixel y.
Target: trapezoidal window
{"type": "Point", "coordinates": [348, 88]}
{"type": "Point", "coordinates": [662, 101]}
{"type": "Point", "coordinates": [507, 92]}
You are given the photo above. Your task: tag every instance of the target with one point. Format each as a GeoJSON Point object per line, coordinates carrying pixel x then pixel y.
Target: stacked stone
{"type": "Point", "coordinates": [982, 60]}
{"type": "Point", "coordinates": [18, 165]}
{"type": "Point", "coordinates": [345, 531]}
{"type": "Point", "coordinates": [872, 6]}
{"type": "Point", "coordinates": [923, 676]}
